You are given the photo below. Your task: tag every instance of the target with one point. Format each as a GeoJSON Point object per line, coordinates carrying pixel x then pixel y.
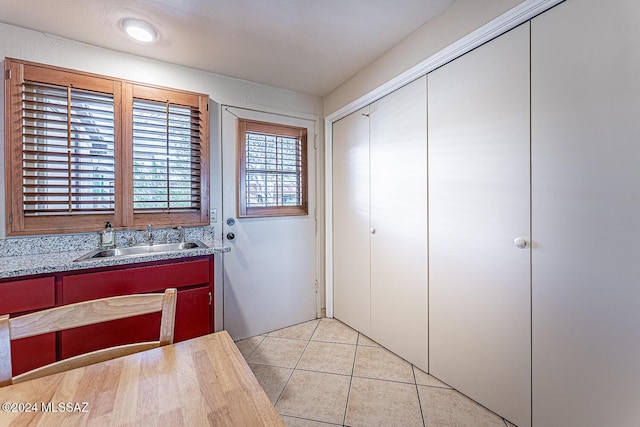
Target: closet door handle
{"type": "Point", "coordinates": [520, 242]}
{"type": "Point", "coordinates": [373, 231]}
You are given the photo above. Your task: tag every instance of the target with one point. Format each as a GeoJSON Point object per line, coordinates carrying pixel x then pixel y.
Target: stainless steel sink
{"type": "Point", "coordinates": [141, 250]}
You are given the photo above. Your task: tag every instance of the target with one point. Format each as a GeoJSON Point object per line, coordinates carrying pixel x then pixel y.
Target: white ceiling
{"type": "Point", "coordinates": [311, 46]}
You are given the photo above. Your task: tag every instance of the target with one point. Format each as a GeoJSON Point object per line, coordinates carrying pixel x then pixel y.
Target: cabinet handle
{"type": "Point", "coordinates": [373, 231]}
{"type": "Point", "coordinates": [210, 298]}
{"type": "Point", "coordinates": [520, 242]}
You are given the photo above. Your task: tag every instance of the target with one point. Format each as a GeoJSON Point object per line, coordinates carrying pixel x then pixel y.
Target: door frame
{"type": "Point", "coordinates": [319, 200]}
{"type": "Point", "coordinates": [498, 26]}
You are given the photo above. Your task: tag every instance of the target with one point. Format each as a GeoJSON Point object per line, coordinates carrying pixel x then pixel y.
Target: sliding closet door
{"type": "Point", "coordinates": [399, 222]}
{"type": "Point", "coordinates": [351, 236]}
{"type": "Point", "coordinates": [479, 189]}
{"type": "Point", "coordinates": [586, 214]}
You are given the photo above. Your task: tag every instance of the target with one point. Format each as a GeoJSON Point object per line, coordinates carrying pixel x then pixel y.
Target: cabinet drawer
{"type": "Point", "coordinates": [88, 286]}
{"type": "Point", "coordinates": [26, 295]}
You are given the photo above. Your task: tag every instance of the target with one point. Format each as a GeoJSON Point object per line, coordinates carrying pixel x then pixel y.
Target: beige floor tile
{"type": "Point", "coordinates": [302, 331]}
{"type": "Point", "coordinates": [332, 330]}
{"type": "Point", "coordinates": [328, 357]}
{"type": "Point", "coordinates": [380, 363]}
{"type": "Point", "coordinates": [509, 424]}
{"type": "Point", "coordinates": [382, 403]}
{"type": "Point", "coordinates": [447, 407]}
{"type": "Point", "coordinates": [301, 422]}
{"type": "Point", "coordinates": [364, 340]}
{"type": "Point", "coordinates": [246, 346]}
{"type": "Point", "coordinates": [422, 378]}
{"type": "Point", "coordinates": [272, 379]}
{"type": "Point", "coordinates": [281, 352]}
{"type": "Point", "coordinates": [316, 396]}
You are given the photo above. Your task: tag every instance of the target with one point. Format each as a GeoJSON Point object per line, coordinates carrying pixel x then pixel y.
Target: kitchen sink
{"type": "Point", "coordinates": [141, 250]}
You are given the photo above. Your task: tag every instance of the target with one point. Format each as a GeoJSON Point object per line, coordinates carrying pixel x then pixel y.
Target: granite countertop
{"type": "Point", "coordinates": [28, 265]}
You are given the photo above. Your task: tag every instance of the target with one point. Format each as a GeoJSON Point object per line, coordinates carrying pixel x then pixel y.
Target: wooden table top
{"type": "Point", "coordinates": [200, 382]}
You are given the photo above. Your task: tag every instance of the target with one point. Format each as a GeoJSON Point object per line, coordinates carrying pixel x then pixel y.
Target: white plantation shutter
{"type": "Point", "coordinates": [68, 160]}
{"type": "Point", "coordinates": [166, 156]}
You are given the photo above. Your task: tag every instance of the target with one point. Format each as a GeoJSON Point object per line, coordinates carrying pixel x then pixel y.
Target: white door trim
{"type": "Point", "coordinates": [500, 25]}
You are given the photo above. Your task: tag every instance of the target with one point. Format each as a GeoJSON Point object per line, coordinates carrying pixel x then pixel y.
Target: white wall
{"type": "Point", "coordinates": [20, 43]}
{"type": "Point", "coordinates": [34, 46]}
{"type": "Point", "coordinates": [458, 20]}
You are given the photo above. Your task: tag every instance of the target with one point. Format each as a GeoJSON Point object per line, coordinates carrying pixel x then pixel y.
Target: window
{"type": "Point", "coordinates": [272, 170]}
{"type": "Point", "coordinates": [82, 149]}
{"type": "Point", "coordinates": [68, 156]}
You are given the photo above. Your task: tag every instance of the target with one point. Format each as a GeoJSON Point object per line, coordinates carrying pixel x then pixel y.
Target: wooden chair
{"type": "Point", "coordinates": [82, 314]}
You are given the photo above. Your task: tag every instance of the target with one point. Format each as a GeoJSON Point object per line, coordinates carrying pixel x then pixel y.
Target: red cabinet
{"type": "Point", "coordinates": [193, 277]}
{"type": "Point", "coordinates": [20, 297]}
{"type": "Point", "coordinates": [194, 315]}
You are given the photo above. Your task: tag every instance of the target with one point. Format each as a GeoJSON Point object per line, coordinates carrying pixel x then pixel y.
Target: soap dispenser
{"type": "Point", "coordinates": [107, 237]}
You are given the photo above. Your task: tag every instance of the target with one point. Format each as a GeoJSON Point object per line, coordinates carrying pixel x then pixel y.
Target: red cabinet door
{"type": "Point", "coordinates": [192, 314]}
{"type": "Point", "coordinates": [192, 279]}
{"type": "Point", "coordinates": [33, 352]}
{"type": "Point", "coordinates": [192, 320]}
{"type": "Point", "coordinates": [20, 297]}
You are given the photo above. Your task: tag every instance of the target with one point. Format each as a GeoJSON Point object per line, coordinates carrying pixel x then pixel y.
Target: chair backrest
{"type": "Point", "coordinates": [82, 314]}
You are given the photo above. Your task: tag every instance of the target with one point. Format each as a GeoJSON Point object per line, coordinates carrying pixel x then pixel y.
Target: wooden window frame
{"type": "Point", "coordinates": [244, 211]}
{"type": "Point", "coordinates": [17, 224]}
{"type": "Point", "coordinates": [168, 218]}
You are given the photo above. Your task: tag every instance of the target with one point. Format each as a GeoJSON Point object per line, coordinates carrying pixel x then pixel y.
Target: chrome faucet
{"type": "Point", "coordinates": [177, 234]}
{"type": "Point", "coordinates": [131, 240]}
{"type": "Point", "coordinates": [148, 235]}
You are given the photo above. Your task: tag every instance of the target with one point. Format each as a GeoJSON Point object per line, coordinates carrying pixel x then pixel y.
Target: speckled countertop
{"type": "Point", "coordinates": [24, 257]}
{"type": "Point", "coordinates": [28, 265]}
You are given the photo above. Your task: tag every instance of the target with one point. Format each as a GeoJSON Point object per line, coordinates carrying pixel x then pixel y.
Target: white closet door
{"type": "Point", "coordinates": [351, 238]}
{"type": "Point", "coordinates": [479, 189]}
{"type": "Point", "coordinates": [586, 214]}
{"type": "Point", "coordinates": [399, 222]}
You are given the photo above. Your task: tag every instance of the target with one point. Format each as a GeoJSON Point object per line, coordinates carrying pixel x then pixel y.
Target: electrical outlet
{"type": "Point", "coordinates": [214, 215]}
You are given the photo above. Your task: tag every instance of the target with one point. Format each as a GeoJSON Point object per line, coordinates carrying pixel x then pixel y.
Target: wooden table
{"type": "Point", "coordinates": [200, 382]}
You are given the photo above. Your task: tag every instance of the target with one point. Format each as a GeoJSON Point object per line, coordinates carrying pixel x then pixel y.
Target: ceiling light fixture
{"type": "Point", "coordinates": [139, 30]}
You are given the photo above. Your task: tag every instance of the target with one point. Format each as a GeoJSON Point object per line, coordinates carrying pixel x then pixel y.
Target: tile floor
{"type": "Point", "coordinates": [323, 373]}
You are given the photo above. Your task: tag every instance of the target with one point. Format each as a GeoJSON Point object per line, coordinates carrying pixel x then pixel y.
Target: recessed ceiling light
{"type": "Point", "coordinates": [139, 30]}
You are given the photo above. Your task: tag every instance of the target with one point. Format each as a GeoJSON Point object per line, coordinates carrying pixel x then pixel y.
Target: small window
{"type": "Point", "coordinates": [272, 170]}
